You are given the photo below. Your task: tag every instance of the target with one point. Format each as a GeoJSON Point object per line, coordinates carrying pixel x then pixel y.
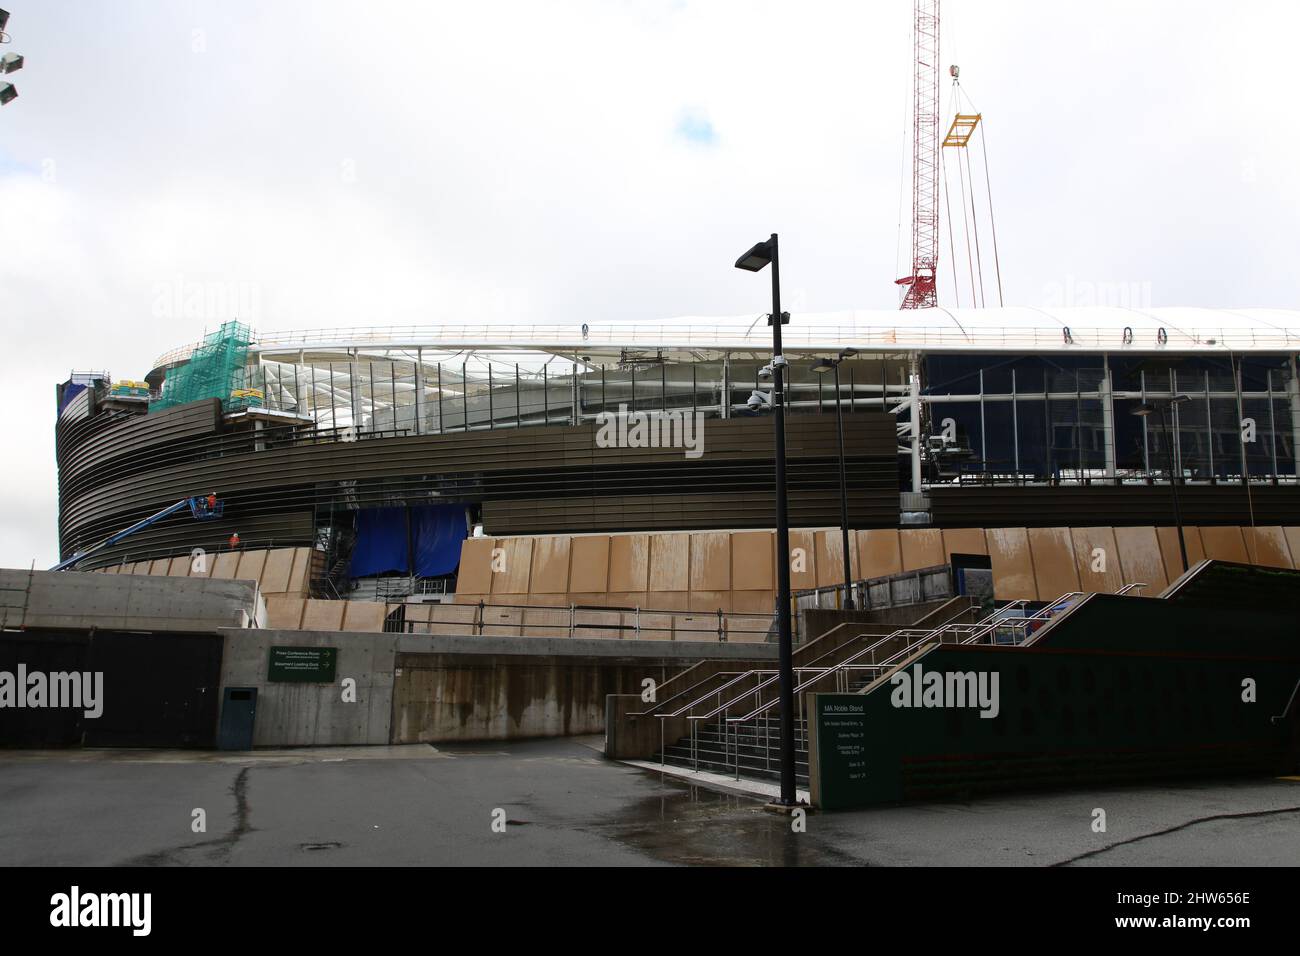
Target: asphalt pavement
{"type": "Point", "coordinates": [561, 803]}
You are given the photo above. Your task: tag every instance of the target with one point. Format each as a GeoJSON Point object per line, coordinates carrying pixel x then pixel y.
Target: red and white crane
{"type": "Point", "coordinates": [921, 284]}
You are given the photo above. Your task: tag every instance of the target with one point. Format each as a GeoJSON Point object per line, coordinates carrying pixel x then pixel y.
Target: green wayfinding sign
{"type": "Point", "coordinates": [303, 665]}
{"type": "Point", "coordinates": [838, 750]}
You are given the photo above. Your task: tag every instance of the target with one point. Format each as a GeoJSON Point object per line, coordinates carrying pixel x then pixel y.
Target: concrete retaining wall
{"type": "Point", "coordinates": [315, 715]}
{"type": "Point", "coordinates": [428, 689]}
{"type": "Point", "coordinates": [80, 599]}
{"type": "Point", "coordinates": [501, 688]}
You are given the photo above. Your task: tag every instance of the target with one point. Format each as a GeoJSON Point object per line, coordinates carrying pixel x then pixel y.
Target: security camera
{"type": "Point", "coordinates": [779, 362]}
{"type": "Point", "coordinates": [757, 400]}
{"type": "Point", "coordinates": [765, 372]}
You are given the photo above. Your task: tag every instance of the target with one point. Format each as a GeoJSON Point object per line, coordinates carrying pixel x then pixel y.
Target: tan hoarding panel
{"type": "Point", "coordinates": [1097, 557]}
{"type": "Point", "coordinates": [365, 616]}
{"type": "Point", "coordinates": [751, 561]}
{"type": "Point", "coordinates": [602, 624]}
{"type": "Point", "coordinates": [803, 560]}
{"type": "Point", "coordinates": [746, 630]}
{"type": "Point", "coordinates": [752, 602]}
{"type": "Point", "coordinates": [710, 601]}
{"type": "Point", "coordinates": [1141, 560]}
{"type": "Point", "coordinates": [1055, 571]}
{"type": "Point", "coordinates": [160, 566]}
{"type": "Point", "coordinates": [1224, 544]}
{"type": "Point", "coordinates": [879, 553]}
{"type": "Point", "coordinates": [963, 541]}
{"type": "Point", "coordinates": [1293, 543]}
{"type": "Point", "coordinates": [545, 622]}
{"type": "Point", "coordinates": [502, 621]}
{"type": "Point", "coordinates": [251, 564]}
{"type": "Point", "coordinates": [830, 557]}
{"type": "Point", "coordinates": [696, 627]}
{"type": "Point", "coordinates": [670, 562]}
{"type": "Point", "coordinates": [1169, 549]}
{"type": "Point", "coordinates": [203, 566]}
{"type": "Point", "coordinates": [922, 548]}
{"type": "Point", "coordinates": [627, 599]}
{"type": "Point", "coordinates": [300, 575]}
{"type": "Point", "coordinates": [629, 562]}
{"type": "Point", "coordinates": [1268, 546]}
{"type": "Point", "coordinates": [551, 565]}
{"type": "Point", "coordinates": [284, 611]}
{"type": "Point", "coordinates": [512, 565]}
{"type": "Point", "coordinates": [589, 563]}
{"type": "Point", "coordinates": [320, 615]}
{"type": "Point", "coordinates": [653, 627]}
{"type": "Point", "coordinates": [710, 561]}
{"type": "Point", "coordinates": [278, 571]}
{"type": "Point", "coordinates": [225, 566]}
{"type": "Point", "coordinates": [452, 619]}
{"type": "Point", "coordinates": [1012, 563]}
{"type": "Point", "coordinates": [475, 575]}
{"type": "Point", "coordinates": [668, 601]}
{"type": "Point", "coordinates": [179, 567]}
{"type": "Point", "coordinates": [417, 618]}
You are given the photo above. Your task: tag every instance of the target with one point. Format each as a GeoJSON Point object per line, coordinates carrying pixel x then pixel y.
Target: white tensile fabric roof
{"type": "Point", "coordinates": [1013, 329]}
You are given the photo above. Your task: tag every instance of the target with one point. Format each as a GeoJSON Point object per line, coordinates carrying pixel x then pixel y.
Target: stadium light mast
{"type": "Point", "coordinates": [755, 260]}
{"type": "Point", "coordinates": [1158, 406]}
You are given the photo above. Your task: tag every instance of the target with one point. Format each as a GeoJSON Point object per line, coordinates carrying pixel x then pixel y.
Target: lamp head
{"type": "Point", "coordinates": [757, 257]}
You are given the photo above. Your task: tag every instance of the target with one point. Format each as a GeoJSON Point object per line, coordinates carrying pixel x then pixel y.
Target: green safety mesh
{"type": "Point", "coordinates": [216, 369]}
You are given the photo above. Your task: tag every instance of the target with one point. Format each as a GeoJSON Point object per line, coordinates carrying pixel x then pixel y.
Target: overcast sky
{"type": "Point", "coordinates": [321, 164]}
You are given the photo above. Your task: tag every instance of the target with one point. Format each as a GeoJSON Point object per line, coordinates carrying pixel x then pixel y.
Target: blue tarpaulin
{"type": "Point", "coordinates": [383, 544]}
{"type": "Point", "coordinates": [439, 531]}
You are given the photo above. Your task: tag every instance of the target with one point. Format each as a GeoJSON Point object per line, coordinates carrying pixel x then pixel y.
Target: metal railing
{"type": "Point", "coordinates": [591, 618]}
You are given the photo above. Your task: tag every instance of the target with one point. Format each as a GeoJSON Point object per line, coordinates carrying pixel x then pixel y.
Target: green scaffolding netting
{"type": "Point", "coordinates": [216, 369]}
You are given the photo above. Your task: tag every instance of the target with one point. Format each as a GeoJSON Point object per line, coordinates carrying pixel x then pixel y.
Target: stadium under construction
{"type": "Point", "coordinates": [453, 504]}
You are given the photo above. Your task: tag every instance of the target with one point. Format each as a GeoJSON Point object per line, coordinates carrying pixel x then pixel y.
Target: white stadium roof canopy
{"type": "Point", "coordinates": [1018, 329]}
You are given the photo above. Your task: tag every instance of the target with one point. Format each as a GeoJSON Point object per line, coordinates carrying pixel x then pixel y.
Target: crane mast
{"type": "Point", "coordinates": [921, 284]}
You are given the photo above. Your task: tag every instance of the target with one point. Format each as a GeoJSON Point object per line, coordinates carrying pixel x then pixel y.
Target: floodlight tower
{"type": "Point", "coordinates": [921, 284]}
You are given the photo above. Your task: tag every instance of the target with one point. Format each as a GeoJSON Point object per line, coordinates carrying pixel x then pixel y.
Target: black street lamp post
{"type": "Point", "coordinates": [753, 261]}
{"type": "Point", "coordinates": [823, 366]}
{"type": "Point", "coordinates": [1158, 406]}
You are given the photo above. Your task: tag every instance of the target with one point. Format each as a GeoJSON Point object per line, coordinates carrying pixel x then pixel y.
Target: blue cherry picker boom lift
{"type": "Point", "coordinates": [202, 508]}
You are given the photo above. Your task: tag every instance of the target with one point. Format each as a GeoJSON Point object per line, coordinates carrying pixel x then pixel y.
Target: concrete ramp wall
{"type": "Point", "coordinates": [77, 599]}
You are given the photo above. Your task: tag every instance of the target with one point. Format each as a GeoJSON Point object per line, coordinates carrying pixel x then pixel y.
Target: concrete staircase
{"type": "Point", "coordinates": [754, 743]}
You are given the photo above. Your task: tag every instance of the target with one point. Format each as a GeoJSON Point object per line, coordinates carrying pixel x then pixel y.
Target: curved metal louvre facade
{"type": "Point", "coordinates": [280, 483]}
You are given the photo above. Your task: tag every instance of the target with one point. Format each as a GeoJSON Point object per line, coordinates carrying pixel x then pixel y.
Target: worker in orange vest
{"type": "Point", "coordinates": [212, 501]}
{"type": "Point", "coordinates": [234, 540]}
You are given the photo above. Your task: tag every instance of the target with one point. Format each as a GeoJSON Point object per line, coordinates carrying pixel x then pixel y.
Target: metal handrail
{"type": "Point", "coordinates": [1135, 586]}
{"type": "Point", "coordinates": [682, 693]}
{"type": "Point", "coordinates": [717, 690]}
{"type": "Point", "coordinates": [988, 625]}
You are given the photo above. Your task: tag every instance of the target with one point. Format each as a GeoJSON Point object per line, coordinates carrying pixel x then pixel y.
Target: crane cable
{"type": "Point", "coordinates": [970, 259]}
{"type": "Point", "coordinates": [975, 217]}
{"type": "Point", "coordinates": [997, 262]}
{"type": "Point", "coordinates": [988, 188]}
{"type": "Point", "coordinates": [947, 202]}
{"type": "Point", "coordinates": [952, 248]}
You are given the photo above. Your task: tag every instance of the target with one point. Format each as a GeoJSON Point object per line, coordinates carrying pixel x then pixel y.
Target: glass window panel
{"type": "Point", "coordinates": [1031, 418]}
